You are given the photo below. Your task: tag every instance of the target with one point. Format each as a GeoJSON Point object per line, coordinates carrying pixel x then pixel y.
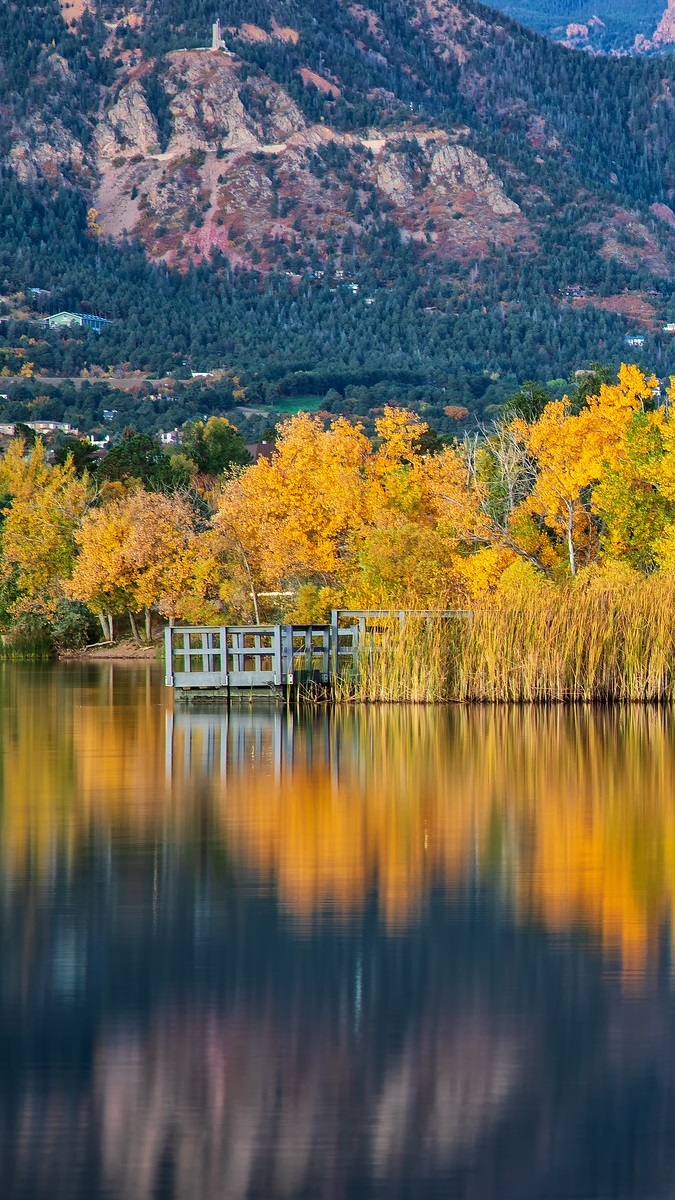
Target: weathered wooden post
{"type": "Point", "coordinates": [224, 659]}
{"type": "Point", "coordinates": [277, 652]}
{"type": "Point", "coordinates": [335, 644]}
{"type": "Point", "coordinates": [286, 641]}
{"type": "Point", "coordinates": [168, 655]}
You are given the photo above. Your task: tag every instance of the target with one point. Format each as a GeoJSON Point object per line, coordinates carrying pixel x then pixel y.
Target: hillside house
{"type": "Point", "coordinates": [171, 437]}
{"type": "Point", "coordinates": [261, 450]}
{"type": "Point", "coordinates": [64, 320]}
{"type": "Point", "coordinates": [41, 428]}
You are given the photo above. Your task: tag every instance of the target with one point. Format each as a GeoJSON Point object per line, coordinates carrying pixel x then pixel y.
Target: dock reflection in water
{"type": "Point", "coordinates": [409, 952]}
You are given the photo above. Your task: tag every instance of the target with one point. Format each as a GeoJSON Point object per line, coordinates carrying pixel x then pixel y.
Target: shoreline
{"type": "Point", "coordinates": [118, 652]}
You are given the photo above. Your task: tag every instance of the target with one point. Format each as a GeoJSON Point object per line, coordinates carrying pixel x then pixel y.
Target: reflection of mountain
{"type": "Point", "coordinates": [229, 1100]}
{"type": "Point", "coordinates": [237, 1104]}
{"type": "Point", "coordinates": [570, 812]}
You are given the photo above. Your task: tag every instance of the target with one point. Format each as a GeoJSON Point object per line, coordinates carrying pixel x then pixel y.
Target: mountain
{"type": "Point", "coordinates": [601, 26]}
{"type": "Point", "coordinates": [410, 198]}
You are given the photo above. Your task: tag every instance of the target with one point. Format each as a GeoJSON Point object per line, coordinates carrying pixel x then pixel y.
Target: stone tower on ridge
{"type": "Point", "coordinates": [217, 35]}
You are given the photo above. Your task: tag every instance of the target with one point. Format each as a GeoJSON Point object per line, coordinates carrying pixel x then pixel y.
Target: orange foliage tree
{"type": "Point", "coordinates": [334, 509]}
{"type": "Point", "coordinates": [39, 528]}
{"type": "Point", "coordinates": [143, 550]}
{"type": "Point", "coordinates": [338, 518]}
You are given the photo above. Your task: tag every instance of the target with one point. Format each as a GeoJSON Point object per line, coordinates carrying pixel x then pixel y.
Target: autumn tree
{"type": "Point", "coordinates": [102, 578]}
{"type": "Point", "coordinates": [293, 515]}
{"type": "Point", "coordinates": [46, 506]}
{"type": "Point", "coordinates": [329, 498]}
{"type": "Point", "coordinates": [144, 550]}
{"type": "Point", "coordinates": [632, 500]}
{"type": "Point", "coordinates": [173, 566]}
{"type": "Point", "coordinates": [572, 453]}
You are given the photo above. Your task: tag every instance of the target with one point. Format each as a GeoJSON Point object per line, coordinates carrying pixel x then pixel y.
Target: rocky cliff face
{"type": "Point", "coordinates": [663, 38]}
{"type": "Point", "coordinates": [275, 153]}
{"type": "Point", "coordinates": [244, 172]}
{"type": "Point", "coordinates": [608, 27]}
{"type": "Point", "coordinates": [198, 149]}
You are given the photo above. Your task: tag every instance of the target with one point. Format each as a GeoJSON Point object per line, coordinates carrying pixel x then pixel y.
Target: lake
{"type": "Point", "coordinates": [415, 952]}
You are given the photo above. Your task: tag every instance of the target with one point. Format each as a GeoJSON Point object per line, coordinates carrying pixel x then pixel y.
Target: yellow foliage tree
{"type": "Point", "coordinates": [38, 534]}
{"type": "Point", "coordinates": [572, 454]}
{"type": "Point", "coordinates": [102, 578]}
{"type": "Point", "coordinates": [143, 550]}
{"type": "Point", "coordinates": [321, 507]}
{"type": "Point", "coordinates": [293, 515]}
{"type": "Point", "coordinates": [93, 227]}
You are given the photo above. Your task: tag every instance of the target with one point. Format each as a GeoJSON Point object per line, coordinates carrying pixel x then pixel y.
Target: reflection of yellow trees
{"type": "Point", "coordinates": [602, 816]}
{"type": "Point", "coordinates": [570, 811]}
{"type": "Point", "coordinates": [77, 753]}
{"type": "Point", "coordinates": [357, 812]}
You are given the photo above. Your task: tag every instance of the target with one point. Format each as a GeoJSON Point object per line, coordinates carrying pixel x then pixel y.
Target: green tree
{"type": "Point", "coordinates": [27, 435]}
{"type": "Point", "coordinates": [214, 446]}
{"type": "Point", "coordinates": [81, 449]}
{"type": "Point", "coordinates": [137, 456]}
{"type": "Point", "coordinates": [528, 402]}
{"type": "Point", "coordinates": [588, 383]}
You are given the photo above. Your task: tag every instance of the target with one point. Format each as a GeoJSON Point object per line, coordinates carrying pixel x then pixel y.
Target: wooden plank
{"type": "Point", "coordinates": [246, 679]}
{"type": "Point", "coordinates": [197, 679]}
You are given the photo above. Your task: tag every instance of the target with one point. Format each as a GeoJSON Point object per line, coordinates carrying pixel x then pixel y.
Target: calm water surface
{"type": "Point", "coordinates": [417, 953]}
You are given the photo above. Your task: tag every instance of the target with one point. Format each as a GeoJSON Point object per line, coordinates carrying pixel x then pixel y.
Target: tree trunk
{"type": "Point", "coordinates": [111, 626]}
{"type": "Point", "coordinates": [134, 628]}
{"type": "Point", "coordinates": [254, 596]}
{"type": "Point", "coordinates": [104, 626]}
{"type": "Point", "coordinates": [148, 625]}
{"type": "Point", "coordinates": [570, 543]}
{"type": "Point", "coordinates": [256, 611]}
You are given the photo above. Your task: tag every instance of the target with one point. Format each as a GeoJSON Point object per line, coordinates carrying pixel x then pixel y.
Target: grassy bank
{"type": "Point", "coordinates": [557, 645]}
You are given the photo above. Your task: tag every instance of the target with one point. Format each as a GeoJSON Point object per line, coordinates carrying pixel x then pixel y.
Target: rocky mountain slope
{"type": "Point", "coordinates": [245, 177]}
{"type": "Point", "coordinates": [601, 26]}
{"type": "Point", "coordinates": [301, 135]}
{"type": "Point", "coordinates": [514, 200]}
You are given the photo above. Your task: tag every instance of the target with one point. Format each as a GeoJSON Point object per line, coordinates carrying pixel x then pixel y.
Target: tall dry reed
{"type": "Point", "coordinates": [407, 661]}
{"type": "Point", "coordinates": [567, 643]}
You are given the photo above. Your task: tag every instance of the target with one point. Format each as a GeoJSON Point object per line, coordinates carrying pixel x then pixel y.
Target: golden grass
{"type": "Point", "coordinates": [568, 643]}
{"type": "Point", "coordinates": [403, 662]}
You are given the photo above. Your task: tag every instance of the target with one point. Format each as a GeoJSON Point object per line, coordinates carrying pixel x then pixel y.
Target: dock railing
{"type": "Point", "coordinates": [248, 658]}
{"type": "Point", "coordinates": [245, 657]}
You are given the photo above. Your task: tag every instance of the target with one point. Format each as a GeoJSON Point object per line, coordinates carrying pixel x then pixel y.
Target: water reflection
{"type": "Point", "coordinates": [397, 953]}
{"type": "Point", "coordinates": [571, 813]}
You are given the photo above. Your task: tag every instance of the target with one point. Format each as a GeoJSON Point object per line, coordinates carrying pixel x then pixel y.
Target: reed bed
{"type": "Point", "coordinates": [407, 662]}
{"type": "Point", "coordinates": [555, 645]}
{"type": "Point", "coordinates": [24, 646]}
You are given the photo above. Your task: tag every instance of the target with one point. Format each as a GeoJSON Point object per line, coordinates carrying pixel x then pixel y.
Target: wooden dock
{"type": "Point", "coordinates": [242, 661]}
